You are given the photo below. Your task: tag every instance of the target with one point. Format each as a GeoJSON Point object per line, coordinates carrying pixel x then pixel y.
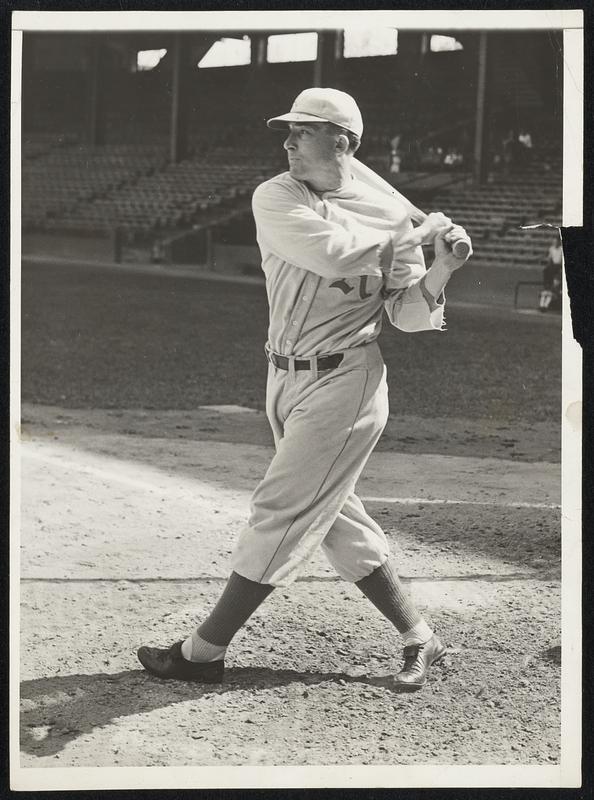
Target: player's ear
{"type": "Point", "coordinates": [342, 144]}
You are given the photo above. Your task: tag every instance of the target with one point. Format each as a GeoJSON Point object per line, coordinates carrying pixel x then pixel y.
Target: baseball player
{"type": "Point", "coordinates": [337, 252]}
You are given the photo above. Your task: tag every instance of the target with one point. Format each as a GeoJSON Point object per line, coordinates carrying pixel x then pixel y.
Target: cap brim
{"type": "Point", "coordinates": [295, 116]}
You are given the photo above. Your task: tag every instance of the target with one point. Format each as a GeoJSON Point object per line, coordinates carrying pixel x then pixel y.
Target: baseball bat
{"type": "Point", "coordinates": [461, 248]}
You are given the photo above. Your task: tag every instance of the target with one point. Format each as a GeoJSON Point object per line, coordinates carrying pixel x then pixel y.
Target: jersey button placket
{"type": "Point", "coordinates": [290, 342]}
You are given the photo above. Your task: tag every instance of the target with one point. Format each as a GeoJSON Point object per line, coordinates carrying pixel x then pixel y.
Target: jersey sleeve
{"type": "Point", "coordinates": [409, 305]}
{"type": "Point", "coordinates": [294, 232]}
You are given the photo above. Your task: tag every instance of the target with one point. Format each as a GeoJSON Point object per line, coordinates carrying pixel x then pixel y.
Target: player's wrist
{"type": "Point", "coordinates": [437, 276]}
{"type": "Point", "coordinates": [446, 263]}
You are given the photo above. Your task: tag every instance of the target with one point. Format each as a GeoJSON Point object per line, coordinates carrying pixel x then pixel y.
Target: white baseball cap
{"type": "Point", "coordinates": [323, 105]}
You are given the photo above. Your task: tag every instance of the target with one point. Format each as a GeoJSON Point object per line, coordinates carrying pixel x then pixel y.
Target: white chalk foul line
{"type": "Point", "coordinates": [414, 501]}
{"type": "Point", "coordinates": [118, 476]}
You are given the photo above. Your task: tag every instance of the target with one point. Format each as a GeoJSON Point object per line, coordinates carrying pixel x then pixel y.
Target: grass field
{"type": "Point", "coordinates": [103, 339]}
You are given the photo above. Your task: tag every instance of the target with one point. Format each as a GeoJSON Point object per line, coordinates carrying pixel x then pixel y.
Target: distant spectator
{"type": "Point", "coordinates": [395, 155]}
{"type": "Point", "coordinates": [395, 142]}
{"type": "Point", "coordinates": [550, 296]}
{"type": "Point", "coordinates": [453, 158]}
{"type": "Point", "coordinates": [157, 253]}
{"type": "Point", "coordinates": [525, 139]}
{"type": "Point", "coordinates": [450, 159]}
{"type": "Point", "coordinates": [524, 146]}
{"type": "Point", "coordinates": [395, 162]}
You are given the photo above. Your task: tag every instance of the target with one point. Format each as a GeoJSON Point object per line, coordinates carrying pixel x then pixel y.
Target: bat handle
{"type": "Point", "coordinates": [462, 248]}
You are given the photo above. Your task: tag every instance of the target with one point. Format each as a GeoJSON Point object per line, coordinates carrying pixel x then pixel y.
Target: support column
{"type": "Point", "coordinates": [338, 59]}
{"type": "Point", "coordinates": [330, 50]}
{"type": "Point", "coordinates": [259, 45]}
{"type": "Point", "coordinates": [318, 63]}
{"type": "Point", "coordinates": [96, 127]}
{"type": "Point", "coordinates": [425, 44]}
{"type": "Point", "coordinates": [178, 140]}
{"type": "Point", "coordinates": [481, 131]}
{"type": "Point", "coordinates": [411, 46]}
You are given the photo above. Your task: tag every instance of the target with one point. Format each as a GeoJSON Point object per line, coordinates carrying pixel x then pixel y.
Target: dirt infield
{"type": "Point", "coordinates": [126, 537]}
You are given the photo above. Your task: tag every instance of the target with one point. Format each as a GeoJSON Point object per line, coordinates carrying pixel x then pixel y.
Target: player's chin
{"type": "Point", "coordinates": [295, 169]}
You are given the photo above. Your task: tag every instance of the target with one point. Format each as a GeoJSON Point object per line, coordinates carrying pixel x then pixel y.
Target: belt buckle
{"type": "Point", "coordinates": [275, 360]}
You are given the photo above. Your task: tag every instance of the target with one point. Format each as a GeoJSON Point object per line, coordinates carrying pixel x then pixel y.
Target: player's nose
{"type": "Point", "coordinates": [289, 143]}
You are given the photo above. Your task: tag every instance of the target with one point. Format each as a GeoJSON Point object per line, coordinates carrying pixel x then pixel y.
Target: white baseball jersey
{"type": "Point", "coordinates": [332, 262]}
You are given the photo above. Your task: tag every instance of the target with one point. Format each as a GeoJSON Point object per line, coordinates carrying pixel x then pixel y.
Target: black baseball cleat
{"type": "Point", "coordinates": [417, 660]}
{"type": "Point", "coordinates": [169, 663]}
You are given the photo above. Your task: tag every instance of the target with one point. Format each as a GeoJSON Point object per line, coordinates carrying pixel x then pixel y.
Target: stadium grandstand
{"type": "Point", "coordinates": [155, 141]}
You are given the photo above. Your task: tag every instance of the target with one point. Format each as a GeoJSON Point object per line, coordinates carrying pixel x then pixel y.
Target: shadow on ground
{"type": "Point", "coordinates": [60, 709]}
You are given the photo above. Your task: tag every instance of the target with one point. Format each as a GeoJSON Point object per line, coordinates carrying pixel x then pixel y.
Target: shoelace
{"type": "Point", "coordinates": [410, 658]}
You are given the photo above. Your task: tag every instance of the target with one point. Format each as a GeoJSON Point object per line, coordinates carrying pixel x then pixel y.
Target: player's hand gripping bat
{"type": "Point", "coordinates": [461, 248]}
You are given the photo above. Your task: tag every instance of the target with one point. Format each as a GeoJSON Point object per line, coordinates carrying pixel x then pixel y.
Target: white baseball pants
{"type": "Point", "coordinates": [325, 427]}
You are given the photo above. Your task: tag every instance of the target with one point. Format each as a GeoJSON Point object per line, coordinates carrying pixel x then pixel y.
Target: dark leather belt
{"type": "Point", "coordinates": [324, 362]}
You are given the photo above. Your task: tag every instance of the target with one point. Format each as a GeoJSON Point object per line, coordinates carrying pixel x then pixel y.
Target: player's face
{"type": "Point", "coordinates": [311, 150]}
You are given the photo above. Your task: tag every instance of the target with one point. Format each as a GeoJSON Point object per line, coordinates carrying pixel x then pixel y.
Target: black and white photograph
{"type": "Point", "coordinates": [293, 383]}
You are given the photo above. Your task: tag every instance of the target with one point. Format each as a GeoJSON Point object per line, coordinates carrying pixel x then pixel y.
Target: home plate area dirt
{"type": "Point", "coordinates": [126, 527]}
